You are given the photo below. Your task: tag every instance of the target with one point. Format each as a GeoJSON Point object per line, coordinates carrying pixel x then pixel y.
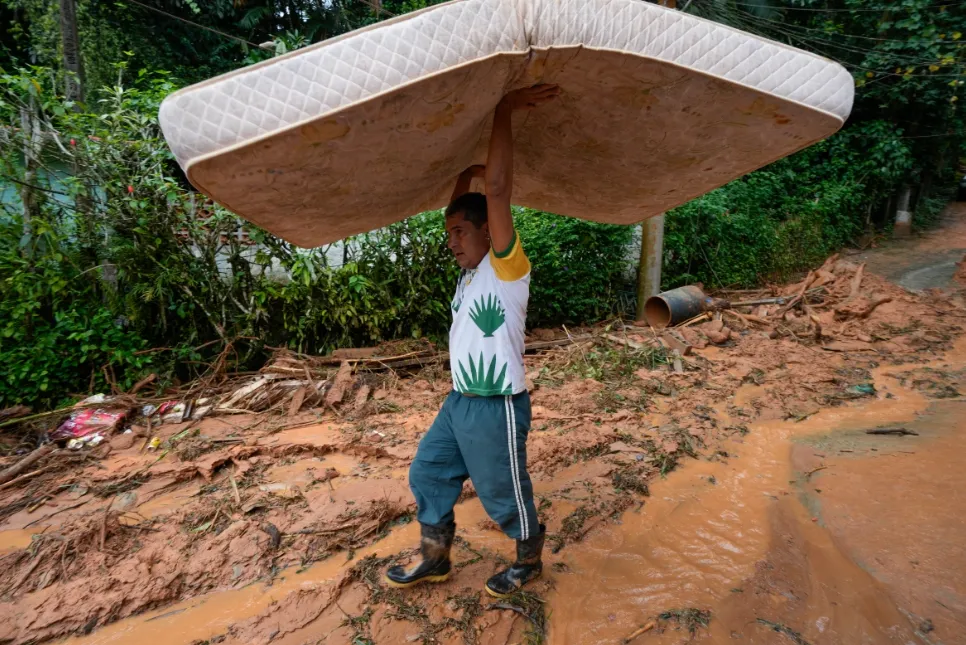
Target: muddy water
{"type": "Point", "coordinates": [15, 539]}
{"type": "Point", "coordinates": [897, 506]}
{"type": "Point", "coordinates": [711, 527]}
{"type": "Point", "coordinates": [736, 537]}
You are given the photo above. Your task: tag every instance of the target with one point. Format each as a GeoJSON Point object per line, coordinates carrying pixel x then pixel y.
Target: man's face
{"type": "Point", "coordinates": [468, 243]}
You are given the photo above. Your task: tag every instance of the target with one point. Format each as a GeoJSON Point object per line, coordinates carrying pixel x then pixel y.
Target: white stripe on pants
{"type": "Point", "coordinates": [511, 435]}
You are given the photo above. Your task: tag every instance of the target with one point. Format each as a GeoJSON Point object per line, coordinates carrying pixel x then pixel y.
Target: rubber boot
{"type": "Point", "coordinates": [434, 566]}
{"type": "Point", "coordinates": [527, 567]}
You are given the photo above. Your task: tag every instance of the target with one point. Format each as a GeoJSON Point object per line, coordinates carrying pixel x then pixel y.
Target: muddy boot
{"type": "Point", "coordinates": [434, 565]}
{"type": "Point", "coordinates": [527, 567]}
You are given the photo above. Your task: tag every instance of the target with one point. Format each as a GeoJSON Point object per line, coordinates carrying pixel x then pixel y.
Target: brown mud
{"type": "Point", "coordinates": [745, 485]}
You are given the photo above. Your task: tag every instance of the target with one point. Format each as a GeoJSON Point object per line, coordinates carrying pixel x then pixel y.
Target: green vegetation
{"type": "Point", "coordinates": [111, 267]}
{"type": "Point", "coordinates": [690, 619]}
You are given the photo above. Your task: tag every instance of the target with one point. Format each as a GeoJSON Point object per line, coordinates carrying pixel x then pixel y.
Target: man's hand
{"type": "Point", "coordinates": [466, 177]}
{"type": "Point", "coordinates": [528, 98]}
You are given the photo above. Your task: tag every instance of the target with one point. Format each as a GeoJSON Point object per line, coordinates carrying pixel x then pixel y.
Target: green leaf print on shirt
{"type": "Point", "coordinates": [488, 315]}
{"type": "Point", "coordinates": [476, 382]}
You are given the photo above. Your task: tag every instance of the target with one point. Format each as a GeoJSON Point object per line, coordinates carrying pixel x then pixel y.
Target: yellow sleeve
{"type": "Point", "coordinates": [512, 264]}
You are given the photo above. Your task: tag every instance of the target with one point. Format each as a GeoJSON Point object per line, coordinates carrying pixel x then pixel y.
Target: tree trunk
{"type": "Point", "coordinates": [30, 127]}
{"type": "Point", "coordinates": [73, 63]}
{"type": "Point", "coordinates": [903, 225]}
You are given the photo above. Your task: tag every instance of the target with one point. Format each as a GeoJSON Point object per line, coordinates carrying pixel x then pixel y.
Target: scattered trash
{"type": "Point", "coordinates": [89, 440]}
{"type": "Point", "coordinates": [87, 421]}
{"type": "Point", "coordinates": [867, 389]}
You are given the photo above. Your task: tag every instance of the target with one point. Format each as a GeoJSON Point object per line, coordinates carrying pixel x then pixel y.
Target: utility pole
{"type": "Point", "coordinates": [73, 64]}
{"type": "Point", "coordinates": [903, 225]}
{"type": "Point", "coordinates": [652, 245]}
{"type": "Point", "coordinates": [652, 257]}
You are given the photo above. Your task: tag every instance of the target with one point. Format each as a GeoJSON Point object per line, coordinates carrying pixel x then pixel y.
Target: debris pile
{"type": "Point", "coordinates": [837, 307]}
{"type": "Point", "coordinates": [235, 477]}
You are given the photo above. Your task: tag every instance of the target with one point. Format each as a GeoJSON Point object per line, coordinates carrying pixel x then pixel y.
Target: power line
{"type": "Point", "coordinates": [194, 24]}
{"type": "Point", "coordinates": [873, 38]}
{"type": "Point", "coordinates": [375, 6]}
{"type": "Point", "coordinates": [753, 22]}
{"type": "Point", "coordinates": [950, 4]}
{"type": "Point", "coordinates": [378, 8]}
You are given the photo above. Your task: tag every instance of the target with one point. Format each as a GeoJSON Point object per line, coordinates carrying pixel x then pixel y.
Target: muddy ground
{"type": "Point", "coordinates": [740, 497]}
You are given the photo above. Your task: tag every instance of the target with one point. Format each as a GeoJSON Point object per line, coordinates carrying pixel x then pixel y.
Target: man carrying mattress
{"type": "Point", "coordinates": [481, 431]}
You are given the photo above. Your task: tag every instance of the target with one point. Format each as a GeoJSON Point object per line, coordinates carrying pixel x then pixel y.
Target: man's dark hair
{"type": "Point", "coordinates": [472, 206]}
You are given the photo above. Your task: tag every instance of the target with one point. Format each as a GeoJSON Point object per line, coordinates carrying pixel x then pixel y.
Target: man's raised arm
{"type": "Point", "coordinates": [499, 161]}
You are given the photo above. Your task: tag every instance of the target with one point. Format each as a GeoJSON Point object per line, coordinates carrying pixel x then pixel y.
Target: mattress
{"type": "Point", "coordinates": [354, 133]}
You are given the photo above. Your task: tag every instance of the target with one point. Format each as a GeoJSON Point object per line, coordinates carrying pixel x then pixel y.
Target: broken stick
{"type": "Point", "coordinates": [899, 432]}
{"type": "Point", "coordinates": [26, 462]}
{"type": "Point", "coordinates": [646, 628]}
{"type": "Point", "coordinates": [23, 478]}
{"type": "Point", "coordinates": [865, 313]}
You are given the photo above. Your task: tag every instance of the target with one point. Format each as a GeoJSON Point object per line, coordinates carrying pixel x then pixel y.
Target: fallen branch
{"type": "Point", "coordinates": [23, 478]}
{"type": "Point", "coordinates": [509, 607]}
{"type": "Point", "coordinates": [899, 432]}
{"type": "Point", "coordinates": [872, 307]}
{"type": "Point", "coordinates": [780, 300]}
{"type": "Point", "coordinates": [748, 317]}
{"type": "Point", "coordinates": [856, 283]}
{"type": "Point", "coordinates": [25, 463]}
{"type": "Point", "coordinates": [57, 512]}
{"type": "Point", "coordinates": [147, 380]}
{"type": "Point", "coordinates": [646, 628]}
{"type": "Point", "coordinates": [627, 342]}
{"type": "Point", "coordinates": [39, 415]}
{"type": "Point", "coordinates": [809, 279]}
{"type": "Point", "coordinates": [234, 488]}
{"type": "Point", "coordinates": [14, 412]}
{"type": "Point", "coordinates": [808, 475]}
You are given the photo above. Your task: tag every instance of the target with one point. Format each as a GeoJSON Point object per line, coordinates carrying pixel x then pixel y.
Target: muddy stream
{"type": "Point", "coordinates": [812, 528]}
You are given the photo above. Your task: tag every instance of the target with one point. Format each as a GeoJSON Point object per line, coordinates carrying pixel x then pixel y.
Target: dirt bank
{"type": "Point", "coordinates": [275, 528]}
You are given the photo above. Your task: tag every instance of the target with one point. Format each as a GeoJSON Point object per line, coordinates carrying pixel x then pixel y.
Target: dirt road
{"type": "Point", "coordinates": [928, 261]}
{"type": "Point", "coordinates": [741, 496]}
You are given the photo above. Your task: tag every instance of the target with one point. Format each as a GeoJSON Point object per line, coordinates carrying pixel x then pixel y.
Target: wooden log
{"type": "Point", "coordinates": [25, 463]}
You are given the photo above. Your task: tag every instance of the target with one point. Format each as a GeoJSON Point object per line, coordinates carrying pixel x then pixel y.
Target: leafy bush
{"type": "Point", "coordinates": [577, 266]}
{"type": "Point", "coordinates": [112, 268]}
{"type": "Point", "coordinates": [789, 215]}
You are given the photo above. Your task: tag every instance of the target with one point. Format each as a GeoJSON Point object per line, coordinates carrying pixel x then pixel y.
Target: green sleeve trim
{"type": "Point", "coordinates": [509, 249]}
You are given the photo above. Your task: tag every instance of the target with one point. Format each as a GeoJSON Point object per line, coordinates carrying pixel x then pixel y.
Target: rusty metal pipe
{"type": "Point", "coordinates": [676, 306]}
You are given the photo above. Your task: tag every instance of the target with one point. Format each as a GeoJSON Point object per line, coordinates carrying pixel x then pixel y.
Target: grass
{"type": "Point", "coordinates": [360, 627]}
{"type": "Point", "coordinates": [630, 480]}
{"type": "Point", "coordinates": [468, 603]}
{"type": "Point", "coordinates": [784, 629]}
{"type": "Point", "coordinates": [573, 523]}
{"type": "Point", "coordinates": [596, 450]}
{"type": "Point", "coordinates": [688, 618]}
{"type": "Point", "coordinates": [369, 572]}
{"type": "Point", "coordinates": [614, 365]}
{"type": "Point", "coordinates": [531, 606]}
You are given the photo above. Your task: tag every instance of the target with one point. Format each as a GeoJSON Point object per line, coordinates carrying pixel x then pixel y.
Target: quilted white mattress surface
{"type": "Point", "coordinates": [357, 132]}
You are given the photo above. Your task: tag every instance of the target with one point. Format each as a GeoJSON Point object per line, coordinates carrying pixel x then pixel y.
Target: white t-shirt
{"type": "Point", "coordinates": [486, 340]}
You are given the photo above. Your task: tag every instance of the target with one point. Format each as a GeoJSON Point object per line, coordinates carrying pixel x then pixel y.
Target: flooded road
{"type": "Point", "coordinates": [750, 538]}
{"type": "Point", "coordinates": [813, 528]}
